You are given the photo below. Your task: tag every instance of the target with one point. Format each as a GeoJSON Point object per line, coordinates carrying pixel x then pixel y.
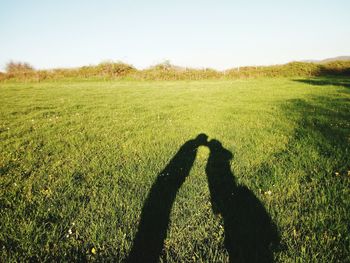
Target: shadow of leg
{"type": "Point", "coordinates": [148, 242]}
{"type": "Point", "coordinates": [249, 231]}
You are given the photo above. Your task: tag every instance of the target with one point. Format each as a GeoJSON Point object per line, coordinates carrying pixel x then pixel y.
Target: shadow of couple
{"type": "Point", "coordinates": [249, 231]}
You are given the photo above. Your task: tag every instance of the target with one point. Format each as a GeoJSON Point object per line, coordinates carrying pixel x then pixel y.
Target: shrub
{"type": "Point", "coordinates": [167, 71]}
{"type": "Point", "coordinates": [18, 67]}
{"type": "Point", "coordinates": [111, 69]}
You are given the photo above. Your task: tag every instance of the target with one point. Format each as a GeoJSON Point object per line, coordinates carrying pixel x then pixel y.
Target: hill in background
{"type": "Point", "coordinates": [340, 58]}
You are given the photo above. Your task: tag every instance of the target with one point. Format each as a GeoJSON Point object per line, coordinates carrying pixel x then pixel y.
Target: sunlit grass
{"type": "Point", "coordinates": [78, 159]}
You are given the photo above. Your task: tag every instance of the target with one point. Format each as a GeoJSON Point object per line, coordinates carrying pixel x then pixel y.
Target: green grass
{"type": "Point", "coordinates": [78, 160]}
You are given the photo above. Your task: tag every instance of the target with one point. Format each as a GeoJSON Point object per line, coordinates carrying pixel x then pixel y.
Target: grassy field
{"type": "Point", "coordinates": [82, 163]}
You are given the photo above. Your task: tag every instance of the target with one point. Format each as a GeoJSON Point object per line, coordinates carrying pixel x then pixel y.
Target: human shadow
{"type": "Point", "coordinates": [152, 229]}
{"type": "Point", "coordinates": [249, 231]}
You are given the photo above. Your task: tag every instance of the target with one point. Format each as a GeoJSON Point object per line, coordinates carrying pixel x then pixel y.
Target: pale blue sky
{"type": "Point", "coordinates": [218, 34]}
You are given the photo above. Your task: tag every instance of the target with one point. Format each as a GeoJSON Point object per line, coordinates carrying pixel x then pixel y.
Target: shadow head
{"type": "Point", "coordinates": [216, 148]}
{"type": "Point", "coordinates": [201, 139]}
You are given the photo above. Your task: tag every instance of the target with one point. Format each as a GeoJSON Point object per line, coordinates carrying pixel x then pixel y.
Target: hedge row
{"type": "Point", "coordinates": [167, 71]}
